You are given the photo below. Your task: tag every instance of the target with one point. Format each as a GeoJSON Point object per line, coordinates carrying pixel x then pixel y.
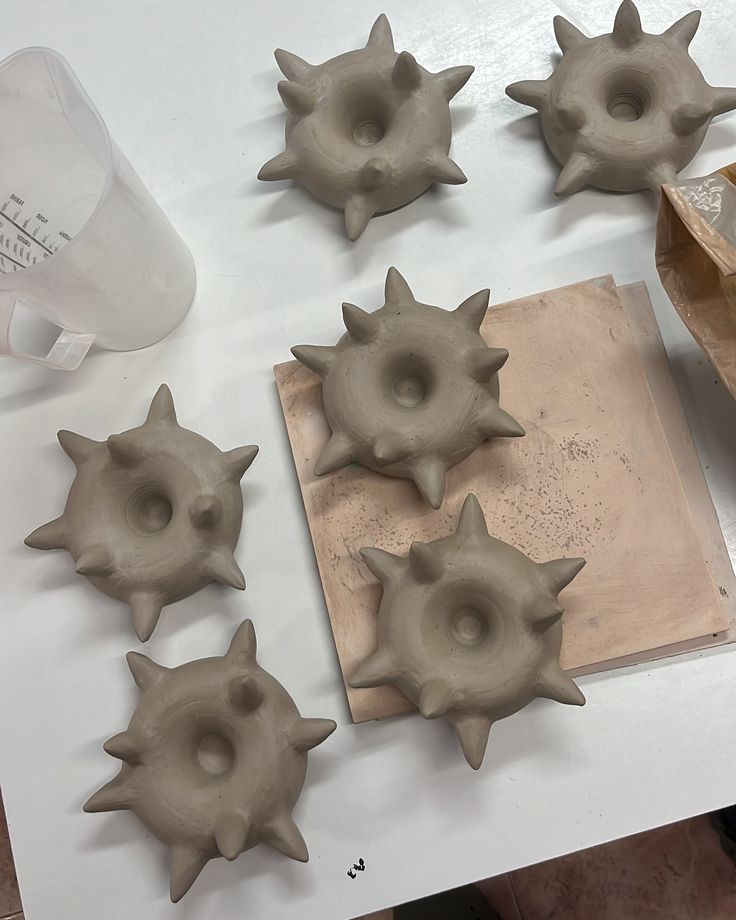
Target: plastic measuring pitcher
{"type": "Point", "coordinates": [82, 242]}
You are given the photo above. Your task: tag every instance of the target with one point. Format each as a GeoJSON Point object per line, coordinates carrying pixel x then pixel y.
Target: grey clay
{"type": "Point", "coordinates": [153, 514]}
{"type": "Point", "coordinates": [410, 390]}
{"type": "Point", "coordinates": [367, 131]}
{"type": "Point", "coordinates": [213, 760]}
{"type": "Point", "coordinates": [469, 628]}
{"type": "Point", "coordinates": [624, 111]}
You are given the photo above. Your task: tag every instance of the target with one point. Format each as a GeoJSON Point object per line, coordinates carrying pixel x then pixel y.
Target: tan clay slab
{"type": "Point", "coordinates": [594, 477]}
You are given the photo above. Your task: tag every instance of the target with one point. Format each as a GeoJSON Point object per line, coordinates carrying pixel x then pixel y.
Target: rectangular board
{"type": "Point", "coordinates": [594, 477]}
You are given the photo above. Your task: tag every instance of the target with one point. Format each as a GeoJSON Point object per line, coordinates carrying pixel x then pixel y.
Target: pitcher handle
{"type": "Point", "coordinates": [67, 352]}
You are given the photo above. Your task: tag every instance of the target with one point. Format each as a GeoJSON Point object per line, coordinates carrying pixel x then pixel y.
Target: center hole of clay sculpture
{"type": "Point", "coordinates": [215, 754]}
{"type": "Point", "coordinates": [469, 627]}
{"type": "Point", "coordinates": [368, 132]}
{"type": "Point", "coordinates": [628, 104]}
{"type": "Point", "coordinates": [410, 389]}
{"type": "Point", "coordinates": [149, 511]}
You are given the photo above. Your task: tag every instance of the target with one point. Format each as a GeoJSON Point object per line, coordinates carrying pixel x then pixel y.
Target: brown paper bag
{"type": "Point", "coordinates": [696, 260]}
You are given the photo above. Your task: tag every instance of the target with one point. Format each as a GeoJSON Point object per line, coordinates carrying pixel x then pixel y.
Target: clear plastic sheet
{"type": "Point", "coordinates": [696, 260]}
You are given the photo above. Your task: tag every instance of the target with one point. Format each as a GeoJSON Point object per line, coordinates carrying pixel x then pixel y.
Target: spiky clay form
{"type": "Point", "coordinates": [469, 628]}
{"type": "Point", "coordinates": [624, 111]}
{"type": "Point", "coordinates": [367, 131]}
{"type": "Point", "coordinates": [153, 514]}
{"type": "Point", "coordinates": [214, 759]}
{"type": "Point", "coordinates": [411, 390]}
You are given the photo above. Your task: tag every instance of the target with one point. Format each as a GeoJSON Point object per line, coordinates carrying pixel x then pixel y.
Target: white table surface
{"type": "Point", "coordinates": [188, 91]}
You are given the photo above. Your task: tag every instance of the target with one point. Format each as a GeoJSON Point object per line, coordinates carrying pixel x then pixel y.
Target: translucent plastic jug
{"type": "Point", "coordinates": [82, 242]}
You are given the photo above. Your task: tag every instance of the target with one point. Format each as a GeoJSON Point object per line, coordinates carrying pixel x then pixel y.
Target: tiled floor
{"type": "Point", "coordinates": [674, 873]}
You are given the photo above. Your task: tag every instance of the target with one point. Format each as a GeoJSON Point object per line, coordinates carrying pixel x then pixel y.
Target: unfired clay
{"type": "Point", "coordinates": [214, 759]}
{"type": "Point", "coordinates": [411, 390]}
{"type": "Point", "coordinates": [469, 628]}
{"type": "Point", "coordinates": [367, 131]}
{"type": "Point", "coordinates": [153, 514]}
{"type": "Point", "coordinates": [624, 111]}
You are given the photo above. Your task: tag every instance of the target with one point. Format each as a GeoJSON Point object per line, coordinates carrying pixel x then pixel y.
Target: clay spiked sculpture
{"type": "Point", "coordinates": [153, 514]}
{"type": "Point", "coordinates": [469, 628]}
{"type": "Point", "coordinates": [410, 390]}
{"type": "Point", "coordinates": [624, 111]}
{"type": "Point", "coordinates": [367, 131]}
{"type": "Point", "coordinates": [214, 759]}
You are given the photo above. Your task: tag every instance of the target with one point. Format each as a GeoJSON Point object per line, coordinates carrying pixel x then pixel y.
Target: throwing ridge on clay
{"type": "Point", "coordinates": [214, 759]}
{"type": "Point", "coordinates": [153, 514]}
{"type": "Point", "coordinates": [367, 131]}
{"type": "Point", "coordinates": [410, 390]}
{"type": "Point", "coordinates": [469, 628]}
{"type": "Point", "coordinates": [624, 111]}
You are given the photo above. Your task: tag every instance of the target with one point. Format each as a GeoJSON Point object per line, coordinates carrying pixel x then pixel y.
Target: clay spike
{"type": "Point", "coordinates": [298, 99]}
{"type": "Point", "coordinates": [318, 358]}
{"type": "Point", "coordinates": [362, 326]}
{"type": "Point", "coordinates": [567, 35]}
{"type": "Point", "coordinates": [244, 693]}
{"type": "Point", "coordinates": [374, 174]}
{"type": "Point", "coordinates": [683, 31]}
{"type": "Point", "coordinates": [283, 835]}
{"type": "Point", "coordinates": [495, 423]}
{"type": "Point", "coordinates": [575, 174]}
{"type": "Point", "coordinates": [76, 446]}
{"type": "Point", "coordinates": [205, 511]}
{"type": "Point", "coordinates": [690, 116]}
{"type": "Point", "coordinates": [396, 290]}
{"type": "Point", "coordinates": [308, 733]}
{"type": "Point", "coordinates": [146, 610]}
{"type": "Point", "coordinates": [472, 732]}
{"type": "Point", "coordinates": [388, 448]}
{"type": "Point", "coordinates": [375, 671]}
{"type": "Point", "coordinates": [472, 311]}
{"type": "Point", "coordinates": [231, 833]}
{"type": "Point", "coordinates": [545, 616]}
{"type": "Point", "coordinates": [125, 448]}
{"type": "Point", "coordinates": [146, 672]}
{"type": "Point", "coordinates": [125, 746]}
{"type": "Point", "coordinates": [113, 796]}
{"type": "Point", "coordinates": [558, 573]}
{"type": "Point", "coordinates": [529, 92]}
{"type": "Point", "coordinates": [661, 174]}
{"type": "Point", "coordinates": [48, 536]}
{"type": "Point", "coordinates": [627, 30]}
{"type": "Point", "coordinates": [282, 166]}
{"type": "Point", "coordinates": [186, 864]}
{"type": "Point", "coordinates": [425, 564]}
{"type": "Point", "coordinates": [471, 524]}
{"type": "Point", "coordinates": [358, 211]}
{"type": "Point", "coordinates": [239, 459]}
{"type": "Point", "coordinates": [384, 566]}
{"type": "Point", "coordinates": [337, 453]}
{"type": "Point", "coordinates": [407, 74]}
{"type": "Point", "coordinates": [570, 116]}
{"type": "Point", "coordinates": [162, 408]}
{"type": "Point", "coordinates": [452, 80]}
{"type": "Point", "coordinates": [435, 699]}
{"type": "Point", "coordinates": [483, 363]}
{"type": "Point", "coordinates": [243, 646]}
{"type": "Point", "coordinates": [292, 66]}
{"type": "Point", "coordinates": [554, 684]}
{"type": "Point", "coordinates": [381, 34]}
{"type": "Point", "coordinates": [222, 567]}
{"type": "Point", "coordinates": [445, 170]}
{"type": "Point", "coordinates": [723, 99]}
{"type": "Point", "coordinates": [428, 474]}
{"type": "Point", "coordinates": [95, 561]}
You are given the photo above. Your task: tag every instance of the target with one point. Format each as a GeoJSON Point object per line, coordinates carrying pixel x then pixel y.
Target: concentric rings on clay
{"type": "Point", "coordinates": [410, 390]}
{"type": "Point", "coordinates": [367, 131]}
{"type": "Point", "coordinates": [469, 628]}
{"type": "Point", "coordinates": [624, 111]}
{"type": "Point", "coordinates": [214, 759]}
{"type": "Point", "coordinates": [153, 514]}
